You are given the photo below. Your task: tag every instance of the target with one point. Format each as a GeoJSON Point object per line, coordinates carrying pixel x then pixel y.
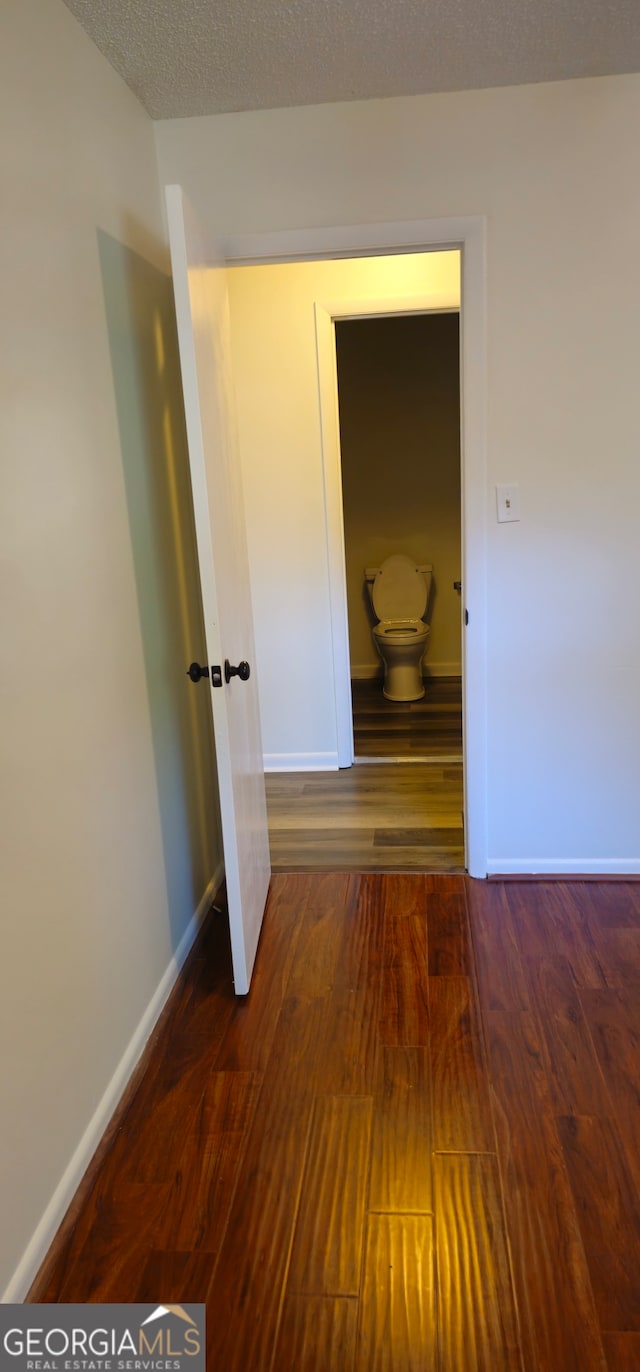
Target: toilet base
{"type": "Point", "coordinates": [402, 645]}
{"type": "Point", "coordinates": [403, 683]}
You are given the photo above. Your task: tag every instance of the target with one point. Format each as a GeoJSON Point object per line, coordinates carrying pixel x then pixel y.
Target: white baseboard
{"type": "Point", "coordinates": [442, 669]}
{"type": "Point", "coordinates": [569, 867]}
{"type": "Point", "coordinates": [56, 1210]}
{"type": "Point", "coordinates": [370, 671]}
{"type": "Point", "coordinates": [300, 762]}
{"type": "Point", "coordinates": [365, 671]}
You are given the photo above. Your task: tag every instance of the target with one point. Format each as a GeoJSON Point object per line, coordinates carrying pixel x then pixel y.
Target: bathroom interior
{"type": "Point", "coordinates": [399, 410]}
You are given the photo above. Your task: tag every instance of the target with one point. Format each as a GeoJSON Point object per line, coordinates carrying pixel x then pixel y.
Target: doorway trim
{"type": "Point", "coordinates": [326, 315]}
{"type": "Point", "coordinates": [468, 234]}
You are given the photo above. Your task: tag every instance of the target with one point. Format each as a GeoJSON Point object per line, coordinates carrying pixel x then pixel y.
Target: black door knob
{"type": "Point", "coordinates": [457, 585]}
{"type": "Point", "coordinates": [243, 670]}
{"type": "Point", "coordinates": [195, 671]}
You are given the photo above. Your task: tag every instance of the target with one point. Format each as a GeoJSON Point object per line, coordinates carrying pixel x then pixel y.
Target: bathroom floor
{"type": "Point", "coordinates": [428, 728]}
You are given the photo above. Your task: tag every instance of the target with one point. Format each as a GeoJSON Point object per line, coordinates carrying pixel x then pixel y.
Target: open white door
{"type": "Point", "coordinates": [200, 289]}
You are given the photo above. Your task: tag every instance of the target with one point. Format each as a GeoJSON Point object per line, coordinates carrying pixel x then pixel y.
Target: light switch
{"type": "Point", "coordinates": [508, 503]}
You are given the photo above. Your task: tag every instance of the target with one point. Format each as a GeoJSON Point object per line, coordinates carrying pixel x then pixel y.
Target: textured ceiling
{"type": "Point", "coordinates": [186, 57]}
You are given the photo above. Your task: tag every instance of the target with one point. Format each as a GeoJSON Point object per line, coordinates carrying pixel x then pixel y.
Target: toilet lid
{"type": "Point", "coordinates": [399, 590]}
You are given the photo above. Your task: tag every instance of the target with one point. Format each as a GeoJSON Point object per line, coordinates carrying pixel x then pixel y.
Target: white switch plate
{"type": "Point", "coordinates": [508, 503]}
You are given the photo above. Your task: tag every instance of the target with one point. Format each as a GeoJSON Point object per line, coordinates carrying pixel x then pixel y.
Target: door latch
{"type": "Point", "coordinates": [196, 673]}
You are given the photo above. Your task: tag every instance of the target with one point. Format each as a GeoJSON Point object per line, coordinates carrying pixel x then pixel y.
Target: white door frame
{"type": "Point", "coordinates": [326, 315]}
{"type": "Point", "coordinates": [469, 235]}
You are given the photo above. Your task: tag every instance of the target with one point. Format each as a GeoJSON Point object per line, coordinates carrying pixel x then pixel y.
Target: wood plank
{"type": "Point", "coordinates": [623, 1351]}
{"type": "Point", "coordinates": [311, 849]}
{"type": "Point", "coordinates": [319, 938]}
{"type": "Point", "coordinates": [439, 884]}
{"type": "Point", "coordinates": [551, 920]}
{"type": "Point", "coordinates": [188, 1044]}
{"type": "Point", "coordinates": [116, 1233]}
{"type": "Point", "coordinates": [559, 1322]}
{"type": "Point", "coordinates": [317, 1332]}
{"type": "Point", "coordinates": [200, 1000]}
{"type": "Point", "coordinates": [613, 1018]}
{"type": "Point", "coordinates": [60, 1270]}
{"type": "Point", "coordinates": [575, 1081]}
{"type": "Point", "coordinates": [325, 817]}
{"type": "Point", "coordinates": [619, 955]}
{"type": "Point", "coordinates": [613, 904]}
{"type": "Point", "coordinates": [404, 1014]}
{"type": "Point", "coordinates": [425, 839]}
{"type": "Point", "coordinates": [351, 851]}
{"type": "Point", "coordinates": [448, 935]}
{"type": "Point", "coordinates": [201, 1195]}
{"type": "Point", "coordinates": [350, 1055]}
{"type": "Point", "coordinates": [607, 1204]}
{"type": "Point", "coordinates": [249, 1276]}
{"type": "Point", "coordinates": [181, 1277]}
{"type": "Point", "coordinates": [476, 1307]}
{"type": "Point", "coordinates": [403, 859]}
{"type": "Point", "coordinates": [501, 976]}
{"type": "Point", "coordinates": [329, 891]}
{"type": "Point", "coordinates": [160, 1136]}
{"type": "Point", "coordinates": [404, 894]}
{"type": "Point", "coordinates": [327, 1244]}
{"type": "Point", "coordinates": [397, 1322]}
{"type": "Point", "coordinates": [248, 1037]}
{"type": "Point", "coordinates": [460, 1085]}
{"type": "Point", "coordinates": [402, 1133]}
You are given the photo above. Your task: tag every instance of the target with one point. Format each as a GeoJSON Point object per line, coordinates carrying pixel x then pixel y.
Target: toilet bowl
{"type": "Point", "coordinates": [399, 593]}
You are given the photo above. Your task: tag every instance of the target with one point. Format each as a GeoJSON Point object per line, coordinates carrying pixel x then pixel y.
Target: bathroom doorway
{"type": "Point", "coordinates": [398, 379]}
{"type": "Point", "coordinates": [286, 385]}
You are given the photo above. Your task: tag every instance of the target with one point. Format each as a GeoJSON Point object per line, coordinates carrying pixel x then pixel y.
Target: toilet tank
{"type": "Point", "coordinates": [426, 568]}
{"type": "Point", "coordinates": [370, 574]}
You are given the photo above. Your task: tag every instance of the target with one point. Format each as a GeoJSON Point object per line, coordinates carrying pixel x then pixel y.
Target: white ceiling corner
{"type": "Point", "coordinates": [193, 57]}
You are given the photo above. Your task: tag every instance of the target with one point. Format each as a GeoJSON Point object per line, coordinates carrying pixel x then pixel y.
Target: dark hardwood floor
{"type": "Point", "coordinates": [430, 728]}
{"type": "Point", "coordinates": [414, 1145]}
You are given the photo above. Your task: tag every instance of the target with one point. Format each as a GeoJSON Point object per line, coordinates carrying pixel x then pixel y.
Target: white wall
{"type": "Point", "coordinates": [399, 387]}
{"type": "Point", "coordinates": [275, 371]}
{"type": "Point", "coordinates": [109, 820]}
{"type": "Point", "coordinates": [552, 167]}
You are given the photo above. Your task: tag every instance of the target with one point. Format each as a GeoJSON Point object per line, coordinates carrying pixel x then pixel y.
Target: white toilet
{"type": "Point", "coordinates": [399, 593]}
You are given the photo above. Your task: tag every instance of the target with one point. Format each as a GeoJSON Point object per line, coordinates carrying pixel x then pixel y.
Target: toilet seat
{"type": "Point", "coordinates": [401, 630]}
{"type": "Point", "coordinates": [399, 591]}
